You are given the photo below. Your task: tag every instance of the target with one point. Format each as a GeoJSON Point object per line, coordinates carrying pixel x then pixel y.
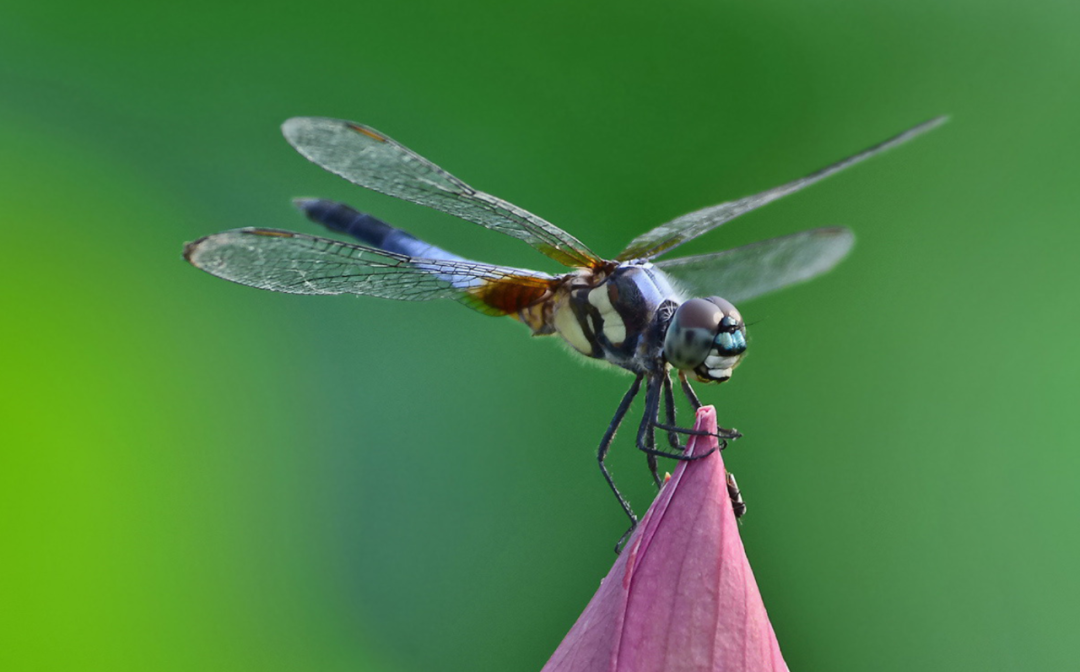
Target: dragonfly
{"type": "Point", "coordinates": [654, 318]}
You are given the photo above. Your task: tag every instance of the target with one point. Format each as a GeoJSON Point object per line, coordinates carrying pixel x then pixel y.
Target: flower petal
{"type": "Point", "coordinates": [681, 596]}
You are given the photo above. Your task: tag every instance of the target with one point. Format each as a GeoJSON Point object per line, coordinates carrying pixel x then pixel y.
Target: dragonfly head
{"type": "Point", "coordinates": [706, 337]}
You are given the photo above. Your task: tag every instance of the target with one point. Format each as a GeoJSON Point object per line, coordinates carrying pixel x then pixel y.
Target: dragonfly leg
{"type": "Point", "coordinates": [646, 441]}
{"type": "Point", "coordinates": [669, 416]}
{"type": "Point", "coordinates": [721, 433]}
{"type": "Point", "coordinates": [673, 439]}
{"type": "Point", "coordinates": [605, 445]}
{"type": "Point", "coordinates": [688, 391]}
{"type": "Point", "coordinates": [654, 469]}
{"type": "Point", "coordinates": [673, 429]}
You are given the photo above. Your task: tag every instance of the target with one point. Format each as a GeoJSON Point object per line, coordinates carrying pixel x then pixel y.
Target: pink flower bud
{"type": "Point", "coordinates": [681, 596]}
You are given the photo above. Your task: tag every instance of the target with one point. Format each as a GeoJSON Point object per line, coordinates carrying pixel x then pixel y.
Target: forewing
{"type": "Point", "coordinates": [679, 230]}
{"type": "Point", "coordinates": [759, 268]}
{"type": "Point", "coordinates": [368, 158]}
{"type": "Point", "coordinates": [295, 263]}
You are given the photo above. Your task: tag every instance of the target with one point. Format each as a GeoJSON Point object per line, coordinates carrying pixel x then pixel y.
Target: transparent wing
{"type": "Point", "coordinates": [368, 158]}
{"type": "Point", "coordinates": [679, 230]}
{"type": "Point", "coordinates": [759, 268]}
{"type": "Point", "coordinates": [283, 261]}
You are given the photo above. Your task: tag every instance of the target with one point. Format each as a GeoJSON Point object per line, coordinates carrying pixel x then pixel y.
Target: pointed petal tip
{"type": "Point", "coordinates": [682, 594]}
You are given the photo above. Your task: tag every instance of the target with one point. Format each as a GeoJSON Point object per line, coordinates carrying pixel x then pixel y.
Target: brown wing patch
{"type": "Point", "coordinates": [572, 257]}
{"type": "Point", "coordinates": [506, 296]}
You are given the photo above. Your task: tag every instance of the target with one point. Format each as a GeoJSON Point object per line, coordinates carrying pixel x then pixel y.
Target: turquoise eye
{"type": "Point", "coordinates": [730, 343]}
{"type": "Point", "coordinates": [706, 336]}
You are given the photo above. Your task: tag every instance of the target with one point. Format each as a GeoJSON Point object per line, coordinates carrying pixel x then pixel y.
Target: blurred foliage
{"type": "Point", "coordinates": [197, 475]}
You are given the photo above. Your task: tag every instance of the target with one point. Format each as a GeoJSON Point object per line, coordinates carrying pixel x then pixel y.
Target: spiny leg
{"type": "Point", "coordinates": [721, 433]}
{"type": "Point", "coordinates": [654, 469]}
{"type": "Point", "coordinates": [673, 429]}
{"type": "Point", "coordinates": [649, 422]}
{"type": "Point", "coordinates": [649, 417]}
{"type": "Point", "coordinates": [650, 457]}
{"type": "Point", "coordinates": [669, 416]}
{"type": "Point", "coordinates": [673, 439]}
{"type": "Point", "coordinates": [644, 438]}
{"type": "Point", "coordinates": [688, 391]}
{"type": "Point", "coordinates": [605, 444]}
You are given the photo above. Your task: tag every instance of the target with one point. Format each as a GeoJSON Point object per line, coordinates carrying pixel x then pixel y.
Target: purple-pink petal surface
{"type": "Point", "coordinates": [681, 596]}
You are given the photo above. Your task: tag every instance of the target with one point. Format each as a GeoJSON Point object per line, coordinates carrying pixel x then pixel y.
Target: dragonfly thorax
{"type": "Point", "coordinates": [615, 316]}
{"type": "Point", "coordinates": [706, 337]}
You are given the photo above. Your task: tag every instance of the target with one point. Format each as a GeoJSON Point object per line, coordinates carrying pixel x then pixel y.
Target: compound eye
{"type": "Point", "coordinates": [690, 335]}
{"type": "Point", "coordinates": [730, 336]}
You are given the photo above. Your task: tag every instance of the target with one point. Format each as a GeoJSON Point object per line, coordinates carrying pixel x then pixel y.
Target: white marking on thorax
{"type": "Point", "coordinates": [566, 324]}
{"type": "Point", "coordinates": [614, 327]}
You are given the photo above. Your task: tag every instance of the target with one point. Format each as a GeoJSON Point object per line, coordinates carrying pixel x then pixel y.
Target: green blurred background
{"type": "Point", "coordinates": [201, 476]}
